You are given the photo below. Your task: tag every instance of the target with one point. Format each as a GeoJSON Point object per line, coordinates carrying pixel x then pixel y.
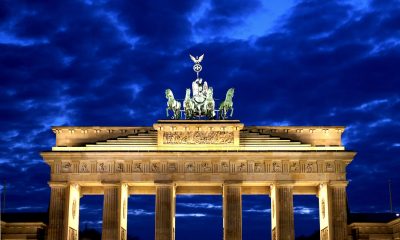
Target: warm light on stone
{"type": "Point", "coordinates": [197, 157]}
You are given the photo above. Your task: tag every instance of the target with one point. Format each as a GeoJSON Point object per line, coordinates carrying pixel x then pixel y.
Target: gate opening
{"type": "Point", "coordinates": [306, 216]}
{"type": "Point", "coordinates": [199, 216]}
{"type": "Point", "coordinates": [141, 217]}
{"type": "Point", "coordinates": [256, 217]}
{"type": "Point", "coordinates": [91, 217]}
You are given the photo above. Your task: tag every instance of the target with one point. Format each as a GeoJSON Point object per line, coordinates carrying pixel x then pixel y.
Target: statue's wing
{"type": "Point", "coordinates": [193, 58]}
{"type": "Point", "coordinates": [201, 58]}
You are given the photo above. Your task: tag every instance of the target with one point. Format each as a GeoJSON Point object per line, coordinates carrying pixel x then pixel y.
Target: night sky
{"type": "Point", "coordinates": [291, 62]}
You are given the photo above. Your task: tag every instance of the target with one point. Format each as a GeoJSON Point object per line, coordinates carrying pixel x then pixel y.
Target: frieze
{"type": "Point", "coordinates": [276, 167]}
{"type": "Point", "coordinates": [223, 166]}
{"type": "Point", "coordinates": [66, 167]}
{"type": "Point", "coordinates": [329, 167]}
{"type": "Point", "coordinates": [205, 167]}
{"type": "Point", "coordinates": [138, 167]}
{"type": "Point", "coordinates": [198, 137]}
{"type": "Point", "coordinates": [258, 167]}
{"type": "Point", "coordinates": [119, 167]}
{"type": "Point", "coordinates": [172, 167]}
{"type": "Point", "coordinates": [84, 167]}
{"type": "Point", "coordinates": [103, 167]}
{"type": "Point", "coordinates": [242, 167]}
{"type": "Point", "coordinates": [155, 167]}
{"type": "Point", "coordinates": [189, 167]}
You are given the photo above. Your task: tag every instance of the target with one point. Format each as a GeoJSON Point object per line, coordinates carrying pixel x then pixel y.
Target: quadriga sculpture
{"type": "Point", "coordinates": [227, 104]}
{"type": "Point", "coordinates": [173, 105]}
{"type": "Point", "coordinates": [209, 104]}
{"type": "Point", "coordinates": [188, 105]}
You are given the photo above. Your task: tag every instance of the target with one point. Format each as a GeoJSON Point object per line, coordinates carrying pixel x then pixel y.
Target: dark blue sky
{"type": "Point", "coordinates": [291, 63]}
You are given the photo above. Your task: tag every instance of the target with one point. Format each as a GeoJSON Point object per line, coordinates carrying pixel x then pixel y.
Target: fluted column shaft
{"type": "Point", "coordinates": [64, 212]}
{"type": "Point", "coordinates": [333, 211]}
{"type": "Point", "coordinates": [282, 217]}
{"type": "Point", "coordinates": [56, 213]}
{"type": "Point", "coordinates": [232, 211]}
{"type": "Point", "coordinates": [165, 212]}
{"type": "Point", "coordinates": [115, 212]}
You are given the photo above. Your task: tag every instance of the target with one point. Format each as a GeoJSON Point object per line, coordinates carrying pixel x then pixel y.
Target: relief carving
{"type": "Point", "coordinates": [242, 167]}
{"type": "Point", "coordinates": [324, 234]}
{"type": "Point", "coordinates": [73, 209]}
{"type": "Point", "coordinates": [294, 167]}
{"type": "Point", "coordinates": [258, 167]}
{"type": "Point", "coordinates": [276, 167]}
{"type": "Point", "coordinates": [155, 167]}
{"type": "Point", "coordinates": [84, 168]}
{"type": "Point", "coordinates": [102, 167]}
{"type": "Point", "coordinates": [274, 237]}
{"type": "Point", "coordinates": [329, 167]}
{"type": "Point", "coordinates": [172, 167]}
{"type": "Point", "coordinates": [124, 209]}
{"type": "Point", "coordinates": [72, 234]}
{"type": "Point", "coordinates": [66, 166]}
{"type": "Point", "coordinates": [205, 167]}
{"type": "Point", "coordinates": [189, 167]}
{"type": "Point", "coordinates": [323, 208]}
{"type": "Point", "coordinates": [123, 234]}
{"type": "Point", "coordinates": [225, 166]}
{"type": "Point", "coordinates": [273, 208]}
{"type": "Point", "coordinates": [119, 167]}
{"type": "Point", "coordinates": [309, 167]}
{"type": "Point", "coordinates": [137, 167]}
{"type": "Point", "coordinates": [198, 137]}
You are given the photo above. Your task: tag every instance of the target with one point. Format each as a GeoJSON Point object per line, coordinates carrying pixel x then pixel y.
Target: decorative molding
{"type": "Point", "coordinates": [196, 166]}
{"type": "Point", "coordinates": [324, 234]}
{"type": "Point", "coordinates": [198, 137]}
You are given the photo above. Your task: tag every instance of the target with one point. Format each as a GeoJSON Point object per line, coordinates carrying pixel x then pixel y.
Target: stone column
{"type": "Point", "coordinates": [232, 211]}
{"type": "Point", "coordinates": [64, 212]}
{"type": "Point", "coordinates": [333, 211]}
{"type": "Point", "coordinates": [115, 212]}
{"type": "Point", "coordinates": [165, 211]}
{"type": "Point", "coordinates": [282, 219]}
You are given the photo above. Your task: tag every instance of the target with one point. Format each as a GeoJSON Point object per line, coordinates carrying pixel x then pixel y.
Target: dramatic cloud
{"type": "Point", "coordinates": [304, 62]}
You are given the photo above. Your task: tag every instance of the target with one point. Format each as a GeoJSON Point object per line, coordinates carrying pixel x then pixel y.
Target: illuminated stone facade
{"type": "Point", "coordinates": [197, 157]}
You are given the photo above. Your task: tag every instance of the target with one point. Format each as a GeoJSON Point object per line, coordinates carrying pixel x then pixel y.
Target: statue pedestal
{"type": "Point", "coordinates": [198, 134]}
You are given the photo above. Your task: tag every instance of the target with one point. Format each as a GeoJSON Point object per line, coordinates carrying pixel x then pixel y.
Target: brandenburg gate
{"type": "Point", "coordinates": [195, 156]}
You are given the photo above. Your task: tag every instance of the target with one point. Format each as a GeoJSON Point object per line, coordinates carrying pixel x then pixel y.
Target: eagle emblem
{"type": "Point", "coordinates": [196, 59]}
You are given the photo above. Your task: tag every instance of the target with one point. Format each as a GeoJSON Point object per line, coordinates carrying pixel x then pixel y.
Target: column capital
{"type": "Point", "coordinates": [338, 183]}
{"type": "Point", "coordinates": [232, 183]}
{"type": "Point", "coordinates": [58, 184]}
{"type": "Point", "coordinates": [164, 183]}
{"type": "Point", "coordinates": [283, 184]}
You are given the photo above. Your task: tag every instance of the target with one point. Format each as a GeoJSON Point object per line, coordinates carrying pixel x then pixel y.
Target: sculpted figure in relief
{"type": "Point", "coordinates": [189, 167]}
{"type": "Point", "coordinates": [138, 167]}
{"type": "Point", "coordinates": [276, 167]}
{"type": "Point", "coordinates": [258, 167]}
{"type": "Point", "coordinates": [155, 167]}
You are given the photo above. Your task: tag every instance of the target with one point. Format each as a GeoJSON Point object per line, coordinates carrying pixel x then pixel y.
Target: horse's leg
{"type": "Point", "coordinates": [167, 112]}
{"type": "Point", "coordinates": [231, 112]}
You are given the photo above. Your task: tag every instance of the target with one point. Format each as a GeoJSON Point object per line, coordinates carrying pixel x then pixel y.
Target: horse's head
{"type": "Point", "coordinates": [210, 92]}
{"type": "Point", "coordinates": [230, 92]}
{"type": "Point", "coordinates": [169, 94]}
{"type": "Point", "coordinates": [187, 96]}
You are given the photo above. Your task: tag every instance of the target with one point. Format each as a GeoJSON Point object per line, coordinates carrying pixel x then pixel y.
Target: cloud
{"type": "Point", "coordinates": [200, 205]}
{"type": "Point", "coordinates": [139, 212]}
{"type": "Point", "coordinates": [190, 215]}
{"type": "Point", "coordinates": [292, 62]}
